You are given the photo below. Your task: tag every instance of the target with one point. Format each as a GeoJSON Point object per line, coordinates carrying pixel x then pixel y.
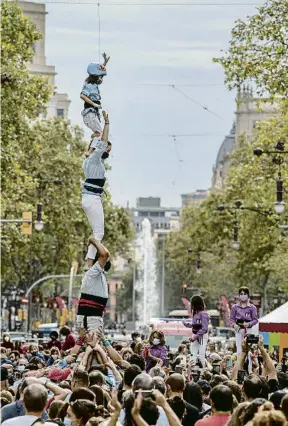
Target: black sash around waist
{"type": "Point", "coordinates": [97, 182]}
{"type": "Point", "coordinates": [94, 190]}
{"type": "Point", "coordinates": [86, 105]}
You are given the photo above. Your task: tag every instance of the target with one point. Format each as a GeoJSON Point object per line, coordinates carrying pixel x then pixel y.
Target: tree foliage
{"type": "Point", "coordinates": [42, 163]}
{"type": "Point", "coordinates": [258, 50]}
{"type": "Point", "coordinates": [262, 260]}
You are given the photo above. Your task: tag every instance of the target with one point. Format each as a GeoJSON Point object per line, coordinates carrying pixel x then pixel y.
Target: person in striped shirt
{"type": "Point", "coordinates": [94, 294]}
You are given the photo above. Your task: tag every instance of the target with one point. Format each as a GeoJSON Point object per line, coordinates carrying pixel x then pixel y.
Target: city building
{"type": "Point", "coordinates": [59, 103]}
{"type": "Point", "coordinates": [162, 219]}
{"type": "Point", "coordinates": [248, 114]}
{"type": "Point", "coordinates": [194, 198]}
{"type": "Point", "coordinates": [120, 268]}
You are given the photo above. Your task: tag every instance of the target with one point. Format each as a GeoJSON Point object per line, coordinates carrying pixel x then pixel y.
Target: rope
{"type": "Point", "coordinates": [99, 32]}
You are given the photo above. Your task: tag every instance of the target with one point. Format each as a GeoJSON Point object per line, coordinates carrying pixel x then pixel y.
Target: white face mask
{"type": "Point", "coordinates": [21, 368]}
{"type": "Point", "coordinates": [54, 357]}
{"type": "Point", "coordinates": [138, 340]}
{"type": "Point", "coordinates": [6, 338]}
{"type": "Point", "coordinates": [243, 297]}
{"type": "Point", "coordinates": [155, 341]}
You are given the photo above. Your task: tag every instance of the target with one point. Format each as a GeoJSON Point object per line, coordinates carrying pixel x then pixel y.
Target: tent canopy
{"type": "Point", "coordinates": [276, 321]}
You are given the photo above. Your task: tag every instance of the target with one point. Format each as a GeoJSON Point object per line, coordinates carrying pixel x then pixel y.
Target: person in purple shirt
{"type": "Point", "coordinates": [199, 324]}
{"type": "Point", "coordinates": [156, 351]}
{"type": "Point", "coordinates": [243, 317]}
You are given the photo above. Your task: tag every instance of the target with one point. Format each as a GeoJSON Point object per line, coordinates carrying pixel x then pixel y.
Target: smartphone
{"type": "Point", "coordinates": [216, 369]}
{"type": "Point", "coordinates": [166, 362]}
{"type": "Point", "coordinates": [145, 393]}
{"type": "Point", "coordinates": [240, 376]}
{"type": "Point", "coordinates": [229, 363]}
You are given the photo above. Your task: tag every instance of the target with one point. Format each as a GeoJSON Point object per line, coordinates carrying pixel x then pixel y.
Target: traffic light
{"type": "Point", "coordinates": [26, 227]}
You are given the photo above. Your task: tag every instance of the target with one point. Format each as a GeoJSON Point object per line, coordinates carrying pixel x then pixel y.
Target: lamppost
{"type": "Point", "coordinates": [234, 209]}
{"type": "Point", "coordinates": [277, 159]}
{"type": "Point", "coordinates": [198, 252]}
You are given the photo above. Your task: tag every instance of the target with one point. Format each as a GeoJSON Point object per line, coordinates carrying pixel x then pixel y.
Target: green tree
{"type": "Point", "coordinates": [258, 50]}
{"type": "Point", "coordinates": [38, 167]}
{"type": "Point", "coordinates": [261, 262]}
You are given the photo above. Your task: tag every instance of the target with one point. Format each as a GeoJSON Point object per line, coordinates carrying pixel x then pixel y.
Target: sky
{"type": "Point", "coordinates": [150, 47]}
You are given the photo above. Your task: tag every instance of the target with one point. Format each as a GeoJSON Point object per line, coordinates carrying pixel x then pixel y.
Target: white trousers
{"type": "Point", "coordinates": [90, 324]}
{"type": "Point", "coordinates": [199, 349]}
{"type": "Point", "coordinates": [92, 206]}
{"type": "Point", "coordinates": [91, 120]}
{"type": "Point", "coordinates": [239, 336]}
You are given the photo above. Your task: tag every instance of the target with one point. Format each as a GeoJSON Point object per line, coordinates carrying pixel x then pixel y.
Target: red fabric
{"type": "Point", "coordinates": [69, 343]}
{"type": "Point", "coordinates": [49, 403]}
{"type": "Point", "coordinates": [273, 328]}
{"type": "Point", "coordinates": [7, 345]}
{"type": "Point", "coordinates": [58, 374]}
{"type": "Point", "coordinates": [216, 420]}
{"type": "Point", "coordinates": [54, 343]}
{"type": "Point", "coordinates": [85, 302]}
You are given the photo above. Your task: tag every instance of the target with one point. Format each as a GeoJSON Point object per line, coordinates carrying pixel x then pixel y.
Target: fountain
{"type": "Point", "coordinates": [148, 302]}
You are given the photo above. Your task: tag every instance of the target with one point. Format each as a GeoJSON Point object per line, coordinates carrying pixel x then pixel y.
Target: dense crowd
{"type": "Point", "coordinates": [92, 381]}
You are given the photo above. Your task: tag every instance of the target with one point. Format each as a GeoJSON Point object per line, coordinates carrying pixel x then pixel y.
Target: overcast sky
{"type": "Point", "coordinates": [151, 45]}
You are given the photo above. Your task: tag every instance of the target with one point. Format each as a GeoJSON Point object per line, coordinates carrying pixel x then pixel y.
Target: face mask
{"type": "Point", "coordinates": [67, 422]}
{"type": "Point", "coordinates": [54, 357]}
{"type": "Point", "coordinates": [138, 339]}
{"type": "Point", "coordinates": [243, 297]}
{"type": "Point", "coordinates": [155, 341]}
{"type": "Point", "coordinates": [21, 368]}
{"type": "Point", "coordinates": [34, 352]}
{"type": "Point", "coordinates": [105, 155]}
{"type": "Point", "coordinates": [6, 339]}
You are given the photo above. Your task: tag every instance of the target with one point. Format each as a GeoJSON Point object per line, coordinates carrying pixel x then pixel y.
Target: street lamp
{"type": "Point", "coordinates": [279, 206]}
{"type": "Point", "coordinates": [235, 244]}
{"type": "Point", "coordinates": [39, 224]}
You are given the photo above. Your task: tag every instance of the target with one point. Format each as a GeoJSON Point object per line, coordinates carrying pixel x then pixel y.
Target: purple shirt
{"type": "Point", "coordinates": [159, 351]}
{"type": "Point", "coordinates": [198, 323]}
{"type": "Point", "coordinates": [248, 314]}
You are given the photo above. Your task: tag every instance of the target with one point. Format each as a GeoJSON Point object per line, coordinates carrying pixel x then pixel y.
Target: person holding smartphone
{"type": "Point", "coordinates": [243, 317]}
{"type": "Point", "coordinates": [199, 325]}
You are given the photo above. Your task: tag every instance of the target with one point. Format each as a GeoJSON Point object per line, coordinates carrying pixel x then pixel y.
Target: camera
{"type": "Point", "coordinates": [216, 369]}
{"type": "Point", "coordinates": [240, 376]}
{"type": "Point", "coordinates": [252, 339]}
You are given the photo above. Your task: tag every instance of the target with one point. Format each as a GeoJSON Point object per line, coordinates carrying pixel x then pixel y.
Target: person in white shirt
{"type": "Point", "coordinates": [34, 399]}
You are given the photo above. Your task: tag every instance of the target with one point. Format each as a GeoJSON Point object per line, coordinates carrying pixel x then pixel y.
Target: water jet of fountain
{"type": "Point", "coordinates": [148, 301]}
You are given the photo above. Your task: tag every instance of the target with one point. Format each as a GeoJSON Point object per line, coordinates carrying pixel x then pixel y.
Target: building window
{"type": "Point", "coordinates": [60, 112]}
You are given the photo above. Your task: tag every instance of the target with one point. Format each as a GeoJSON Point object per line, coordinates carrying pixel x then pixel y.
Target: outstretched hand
{"type": "Point", "coordinates": [106, 59]}
{"type": "Point", "coordinates": [105, 116]}
{"type": "Point", "coordinates": [137, 405]}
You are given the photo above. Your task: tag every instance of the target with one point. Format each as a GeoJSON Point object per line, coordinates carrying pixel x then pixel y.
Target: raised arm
{"type": "Point", "coordinates": [101, 250]}
{"type": "Point", "coordinates": [269, 367]}
{"type": "Point", "coordinates": [105, 134]}
{"type": "Point", "coordinates": [106, 59]}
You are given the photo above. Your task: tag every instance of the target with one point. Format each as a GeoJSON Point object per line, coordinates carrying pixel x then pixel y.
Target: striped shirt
{"type": "Point", "coordinates": [93, 166]}
{"type": "Point", "coordinates": [94, 292]}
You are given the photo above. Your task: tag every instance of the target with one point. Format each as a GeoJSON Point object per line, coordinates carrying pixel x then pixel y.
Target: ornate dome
{"type": "Point", "coordinates": [226, 147]}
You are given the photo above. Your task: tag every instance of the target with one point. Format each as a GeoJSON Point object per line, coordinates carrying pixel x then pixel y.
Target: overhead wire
{"type": "Point", "coordinates": [196, 102]}
{"type": "Point", "coordinates": [99, 32]}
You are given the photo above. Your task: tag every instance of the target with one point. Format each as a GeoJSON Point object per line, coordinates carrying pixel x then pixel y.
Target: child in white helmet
{"type": "Point", "coordinates": [90, 94]}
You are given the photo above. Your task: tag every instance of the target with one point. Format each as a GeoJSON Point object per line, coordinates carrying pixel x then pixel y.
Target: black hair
{"type": "Point", "coordinates": [54, 334]}
{"type": "Point", "coordinates": [107, 266]}
{"type": "Point", "coordinates": [205, 386]}
{"type": "Point", "coordinates": [82, 393]}
{"type": "Point", "coordinates": [149, 411]}
{"type": "Point", "coordinates": [93, 79]}
{"type": "Point", "coordinates": [244, 289]}
{"type": "Point", "coordinates": [222, 398]}
{"type": "Point", "coordinates": [135, 334]}
{"type": "Point", "coordinates": [178, 406]}
{"type": "Point", "coordinates": [193, 395]}
{"type": "Point", "coordinates": [197, 304]}
{"type": "Point", "coordinates": [65, 330]}
{"type": "Point", "coordinates": [130, 373]}
{"type": "Point", "coordinates": [138, 360]}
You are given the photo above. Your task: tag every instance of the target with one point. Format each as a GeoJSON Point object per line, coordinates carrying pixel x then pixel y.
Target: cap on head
{"type": "Point", "coordinates": [94, 69]}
